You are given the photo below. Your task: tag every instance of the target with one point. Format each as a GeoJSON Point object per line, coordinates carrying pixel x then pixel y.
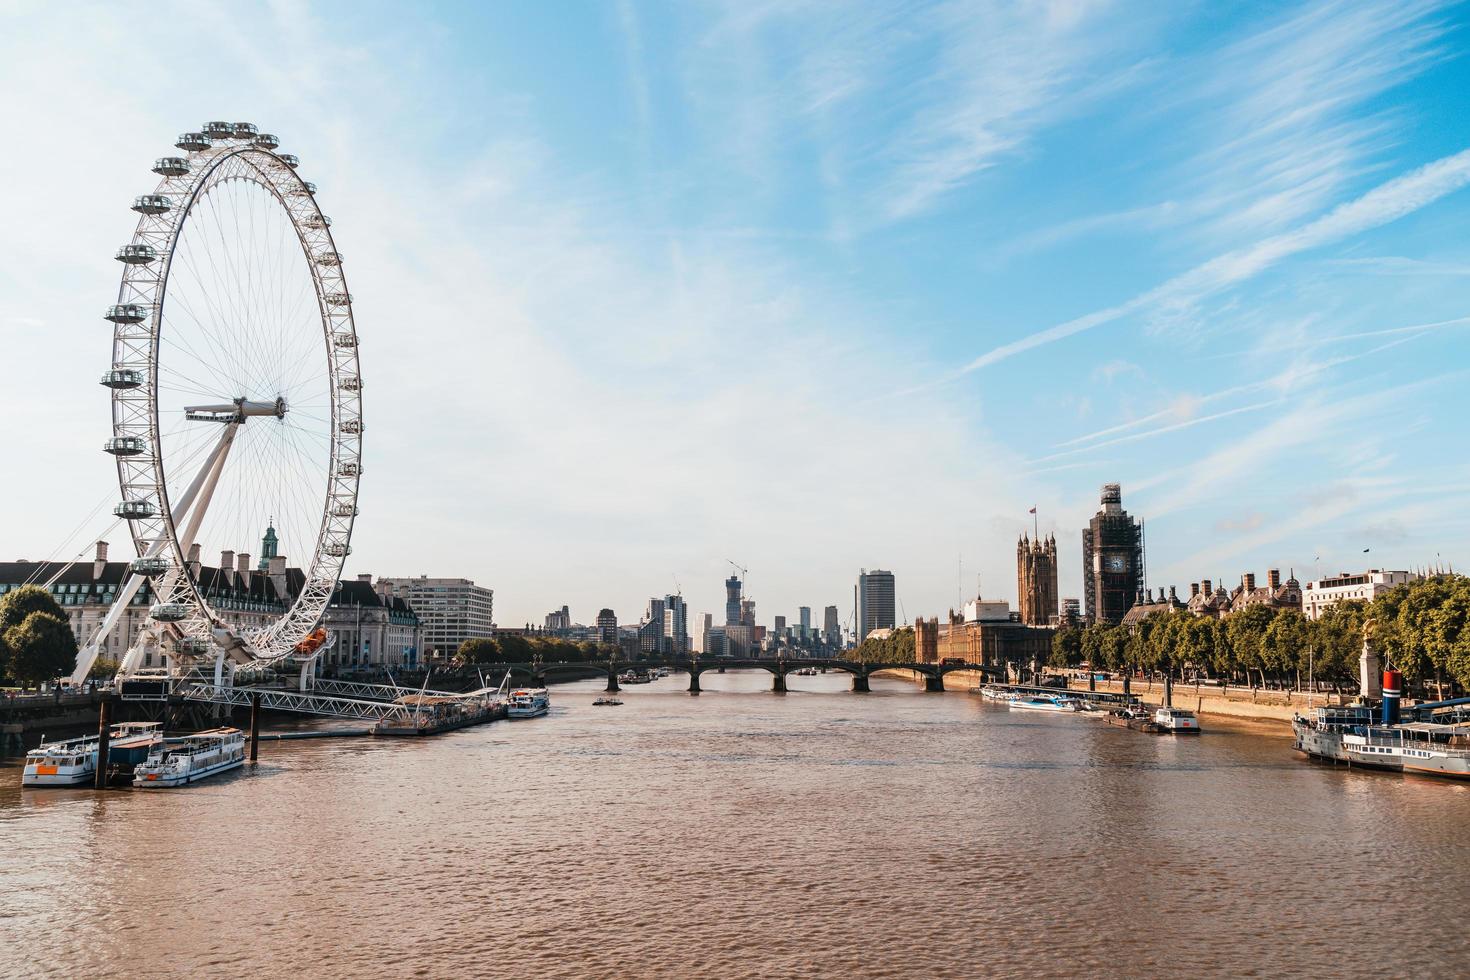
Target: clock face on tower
{"type": "Point", "coordinates": [1115, 563]}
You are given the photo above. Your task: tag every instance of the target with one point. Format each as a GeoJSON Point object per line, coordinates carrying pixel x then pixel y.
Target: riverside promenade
{"type": "Point", "coordinates": [1240, 702]}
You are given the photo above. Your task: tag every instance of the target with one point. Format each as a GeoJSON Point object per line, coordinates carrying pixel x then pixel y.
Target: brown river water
{"type": "Point", "coordinates": [742, 833]}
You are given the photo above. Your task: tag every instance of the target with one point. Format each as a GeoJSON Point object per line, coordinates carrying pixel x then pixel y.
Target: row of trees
{"type": "Point", "coordinates": [896, 648]}
{"type": "Point", "coordinates": [1418, 628]}
{"type": "Point", "coordinates": [36, 641]}
{"type": "Point", "coordinates": [512, 648]}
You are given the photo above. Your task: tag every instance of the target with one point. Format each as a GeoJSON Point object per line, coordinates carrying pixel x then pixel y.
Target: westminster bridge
{"type": "Point", "coordinates": [538, 671]}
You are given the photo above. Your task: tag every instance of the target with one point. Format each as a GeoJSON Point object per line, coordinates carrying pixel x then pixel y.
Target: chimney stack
{"type": "Point", "coordinates": [365, 577]}
{"type": "Point", "coordinates": [1193, 589]}
{"type": "Point", "coordinates": [99, 565]}
{"type": "Point", "coordinates": [1274, 578]}
{"type": "Point", "coordinates": [242, 569]}
{"type": "Point", "coordinates": [1204, 586]}
{"type": "Point", "coordinates": [226, 561]}
{"type": "Point", "coordinates": [1172, 596]}
{"type": "Point", "coordinates": [277, 565]}
{"type": "Point", "coordinates": [101, 551]}
{"type": "Point", "coordinates": [1250, 581]}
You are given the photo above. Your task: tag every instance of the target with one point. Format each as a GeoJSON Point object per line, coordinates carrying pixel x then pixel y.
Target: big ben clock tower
{"type": "Point", "coordinates": [1112, 560]}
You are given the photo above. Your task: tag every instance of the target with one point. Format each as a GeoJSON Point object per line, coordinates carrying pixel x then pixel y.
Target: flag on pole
{"type": "Point", "coordinates": [1365, 551]}
{"type": "Point", "coordinates": [1031, 511]}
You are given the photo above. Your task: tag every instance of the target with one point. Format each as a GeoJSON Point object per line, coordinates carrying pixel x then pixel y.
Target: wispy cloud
{"type": "Point", "coordinates": [1388, 202]}
{"type": "Point", "coordinates": [1285, 115]}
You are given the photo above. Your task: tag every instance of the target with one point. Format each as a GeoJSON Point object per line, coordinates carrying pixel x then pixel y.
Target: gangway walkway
{"type": "Point", "coordinates": [276, 699]}
{"type": "Point", "coordinates": [379, 692]}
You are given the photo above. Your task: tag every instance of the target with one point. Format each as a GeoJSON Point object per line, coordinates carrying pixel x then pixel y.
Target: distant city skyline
{"type": "Point", "coordinates": [879, 280]}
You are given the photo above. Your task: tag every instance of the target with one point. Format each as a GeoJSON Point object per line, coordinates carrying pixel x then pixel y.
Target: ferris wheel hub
{"type": "Point", "coordinates": [236, 411]}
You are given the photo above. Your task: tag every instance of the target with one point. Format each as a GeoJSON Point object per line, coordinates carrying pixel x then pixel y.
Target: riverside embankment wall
{"type": "Point", "coordinates": [1238, 702]}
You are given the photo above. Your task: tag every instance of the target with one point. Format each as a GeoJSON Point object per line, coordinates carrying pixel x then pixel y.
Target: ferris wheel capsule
{"type": "Point", "coordinates": [317, 221]}
{"type": "Point", "coordinates": [338, 299]}
{"type": "Point", "coordinates": [149, 566]}
{"type": "Point", "coordinates": [125, 446]}
{"type": "Point", "coordinates": [289, 159]}
{"type": "Point", "coordinates": [305, 189]}
{"type": "Point", "coordinates": [219, 130]}
{"type": "Point", "coordinates": [171, 166]}
{"type": "Point", "coordinates": [266, 141]}
{"type": "Point", "coordinates": [126, 313]}
{"type": "Point", "coordinates": [193, 141]}
{"type": "Point", "coordinates": [123, 378]}
{"type": "Point", "coordinates": [244, 131]}
{"type": "Point", "coordinates": [135, 510]}
{"type": "Point", "coordinates": [170, 612]}
{"type": "Point", "coordinates": [152, 204]}
{"type": "Point", "coordinates": [329, 258]}
{"type": "Point", "coordinates": [136, 254]}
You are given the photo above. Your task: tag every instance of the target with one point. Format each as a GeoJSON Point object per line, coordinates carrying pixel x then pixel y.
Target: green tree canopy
{"type": "Point", "coordinates": [1066, 647]}
{"type": "Point", "coordinates": [515, 648]}
{"type": "Point", "coordinates": [479, 650]}
{"type": "Point", "coordinates": [41, 648]}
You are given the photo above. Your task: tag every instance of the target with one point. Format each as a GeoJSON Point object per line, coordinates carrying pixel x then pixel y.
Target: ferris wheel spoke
{"type": "Point", "coordinates": [222, 363]}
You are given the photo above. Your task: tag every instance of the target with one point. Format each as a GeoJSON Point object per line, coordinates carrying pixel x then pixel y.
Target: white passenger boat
{"type": "Point", "coordinates": [70, 762]}
{"type": "Point", "coordinates": [73, 762]}
{"type": "Point", "coordinates": [528, 702]}
{"type": "Point", "coordinates": [990, 693]}
{"type": "Point", "coordinates": [1349, 734]}
{"type": "Point", "coordinates": [1177, 721]}
{"type": "Point", "coordinates": [190, 758]}
{"type": "Point", "coordinates": [1044, 704]}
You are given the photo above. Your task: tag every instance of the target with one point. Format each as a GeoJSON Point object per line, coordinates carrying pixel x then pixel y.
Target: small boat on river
{"type": "Point", "coordinates": [190, 758]}
{"type": "Point", "coordinates": [1044, 704]}
{"type": "Point", "coordinates": [1177, 721]}
{"type": "Point", "coordinates": [605, 702]}
{"type": "Point", "coordinates": [529, 702]}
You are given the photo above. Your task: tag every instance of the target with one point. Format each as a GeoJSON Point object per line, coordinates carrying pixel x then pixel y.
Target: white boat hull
{"type": "Point", "coordinates": [168, 781]}
{"type": "Point", "coordinates": [75, 778]}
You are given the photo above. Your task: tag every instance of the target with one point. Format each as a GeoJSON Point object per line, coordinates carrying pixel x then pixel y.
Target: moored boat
{"type": "Point", "coordinates": [73, 762]}
{"type": "Point", "coordinates": [190, 758]}
{"type": "Point", "coordinates": [1177, 721]}
{"type": "Point", "coordinates": [528, 702]}
{"type": "Point", "coordinates": [1348, 734]}
{"type": "Point", "coordinates": [1044, 704]}
{"type": "Point", "coordinates": [606, 702]}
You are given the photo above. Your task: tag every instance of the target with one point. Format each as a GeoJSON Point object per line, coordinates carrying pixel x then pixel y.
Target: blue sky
{"type": "Point", "coordinates": [808, 286]}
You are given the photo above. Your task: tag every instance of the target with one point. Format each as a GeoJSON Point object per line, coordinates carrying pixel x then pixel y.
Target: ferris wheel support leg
{"type": "Point", "coordinates": [213, 464]}
{"type": "Point", "coordinates": [211, 475]}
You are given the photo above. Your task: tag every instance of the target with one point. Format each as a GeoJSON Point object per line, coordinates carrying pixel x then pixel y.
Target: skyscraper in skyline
{"type": "Point", "coordinates": [732, 601]}
{"type": "Point", "coordinates": [676, 624]}
{"type": "Point", "coordinates": [607, 626]}
{"type": "Point", "coordinates": [1112, 560]}
{"type": "Point", "coordinates": [831, 627]}
{"type": "Point", "coordinates": [875, 601]}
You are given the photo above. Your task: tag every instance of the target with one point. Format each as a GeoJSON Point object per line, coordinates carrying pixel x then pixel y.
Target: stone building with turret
{"type": "Point", "coordinates": [1036, 580]}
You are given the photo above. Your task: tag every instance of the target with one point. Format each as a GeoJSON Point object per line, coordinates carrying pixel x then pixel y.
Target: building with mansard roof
{"type": "Point", "coordinates": [1147, 605]}
{"type": "Point", "coordinates": [372, 627]}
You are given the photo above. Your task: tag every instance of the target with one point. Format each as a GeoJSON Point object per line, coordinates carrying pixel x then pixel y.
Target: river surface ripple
{"type": "Point", "coordinates": [748, 834]}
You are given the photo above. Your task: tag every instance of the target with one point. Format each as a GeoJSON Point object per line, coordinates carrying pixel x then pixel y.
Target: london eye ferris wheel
{"type": "Point", "coordinates": [236, 392]}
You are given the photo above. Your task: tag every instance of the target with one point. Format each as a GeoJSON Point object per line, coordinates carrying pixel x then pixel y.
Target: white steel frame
{"type": "Point", "coordinates": [136, 413]}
